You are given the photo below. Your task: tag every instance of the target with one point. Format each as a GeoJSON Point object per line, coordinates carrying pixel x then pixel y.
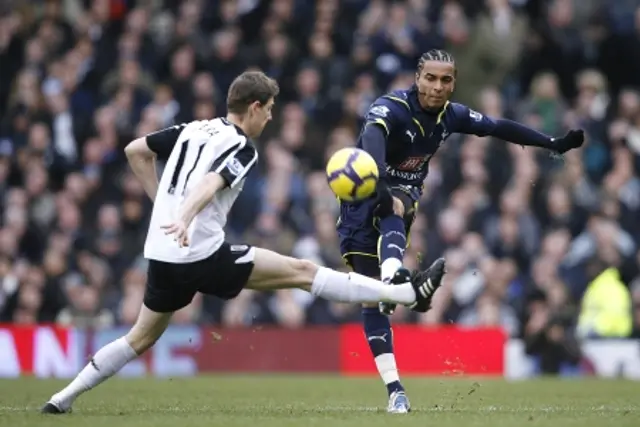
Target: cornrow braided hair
{"type": "Point", "coordinates": [435, 55]}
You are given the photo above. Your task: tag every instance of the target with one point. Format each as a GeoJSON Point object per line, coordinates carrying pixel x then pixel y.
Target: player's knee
{"type": "Point", "coordinates": [398, 207]}
{"type": "Point", "coordinates": [303, 271]}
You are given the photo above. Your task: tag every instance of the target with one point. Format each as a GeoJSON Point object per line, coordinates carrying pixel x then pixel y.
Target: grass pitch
{"type": "Point", "coordinates": [274, 401]}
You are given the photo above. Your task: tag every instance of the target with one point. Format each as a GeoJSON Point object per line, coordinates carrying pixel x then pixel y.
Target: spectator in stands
{"type": "Point", "coordinates": [81, 79]}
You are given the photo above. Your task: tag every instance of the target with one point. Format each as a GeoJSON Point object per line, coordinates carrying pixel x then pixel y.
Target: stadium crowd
{"type": "Point", "coordinates": [538, 244]}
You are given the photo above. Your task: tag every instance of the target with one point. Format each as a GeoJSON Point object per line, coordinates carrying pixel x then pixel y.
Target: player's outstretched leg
{"type": "Point", "coordinates": [111, 358]}
{"type": "Point", "coordinates": [273, 271]}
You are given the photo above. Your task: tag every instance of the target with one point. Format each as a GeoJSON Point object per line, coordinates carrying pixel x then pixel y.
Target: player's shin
{"type": "Point", "coordinates": [377, 329]}
{"type": "Point", "coordinates": [393, 242]}
{"type": "Point", "coordinates": [104, 364]}
{"type": "Point", "coordinates": [352, 287]}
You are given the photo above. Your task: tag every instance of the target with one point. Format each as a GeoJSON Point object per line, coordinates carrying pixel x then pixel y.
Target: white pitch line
{"type": "Point", "coordinates": [447, 408]}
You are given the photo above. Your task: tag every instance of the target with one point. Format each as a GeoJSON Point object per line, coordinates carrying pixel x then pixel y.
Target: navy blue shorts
{"type": "Point", "coordinates": [359, 233]}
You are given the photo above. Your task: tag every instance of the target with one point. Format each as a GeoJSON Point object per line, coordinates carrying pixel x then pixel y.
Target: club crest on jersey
{"type": "Point", "coordinates": [411, 164]}
{"type": "Point", "coordinates": [235, 167]}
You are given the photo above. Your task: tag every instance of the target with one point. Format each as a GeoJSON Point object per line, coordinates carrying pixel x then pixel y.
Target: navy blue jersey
{"type": "Point", "coordinates": [413, 135]}
{"type": "Point", "coordinates": [409, 137]}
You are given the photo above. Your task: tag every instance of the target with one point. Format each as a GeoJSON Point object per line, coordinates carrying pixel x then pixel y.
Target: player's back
{"type": "Point", "coordinates": [199, 148]}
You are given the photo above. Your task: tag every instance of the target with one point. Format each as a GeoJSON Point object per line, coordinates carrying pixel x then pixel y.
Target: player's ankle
{"type": "Point", "coordinates": [394, 387]}
{"type": "Point", "coordinates": [388, 268]}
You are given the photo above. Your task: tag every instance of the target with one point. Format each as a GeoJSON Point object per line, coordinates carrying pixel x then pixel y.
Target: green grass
{"type": "Point", "coordinates": [273, 401]}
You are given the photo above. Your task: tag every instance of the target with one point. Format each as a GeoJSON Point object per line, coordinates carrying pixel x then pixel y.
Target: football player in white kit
{"type": "Point", "coordinates": [206, 165]}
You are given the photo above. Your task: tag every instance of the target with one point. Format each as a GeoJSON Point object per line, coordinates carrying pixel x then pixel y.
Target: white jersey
{"type": "Point", "coordinates": [191, 151]}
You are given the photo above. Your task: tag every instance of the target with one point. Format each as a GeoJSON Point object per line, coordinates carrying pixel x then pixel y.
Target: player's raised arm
{"type": "Point", "coordinates": [142, 154]}
{"type": "Point", "coordinates": [472, 122]}
{"type": "Point", "coordinates": [380, 120]}
{"type": "Point", "coordinates": [373, 139]}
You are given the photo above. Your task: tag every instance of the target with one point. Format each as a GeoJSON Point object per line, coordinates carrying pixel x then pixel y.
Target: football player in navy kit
{"type": "Point", "coordinates": [403, 130]}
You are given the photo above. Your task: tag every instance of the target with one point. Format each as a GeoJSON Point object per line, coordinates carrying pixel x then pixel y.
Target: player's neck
{"type": "Point", "coordinates": [431, 110]}
{"type": "Point", "coordinates": [238, 121]}
{"type": "Point", "coordinates": [425, 108]}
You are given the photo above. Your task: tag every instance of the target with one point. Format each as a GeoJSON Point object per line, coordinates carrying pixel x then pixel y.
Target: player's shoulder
{"type": "Point", "coordinates": [461, 111]}
{"type": "Point", "coordinates": [394, 103]}
{"type": "Point", "coordinates": [396, 98]}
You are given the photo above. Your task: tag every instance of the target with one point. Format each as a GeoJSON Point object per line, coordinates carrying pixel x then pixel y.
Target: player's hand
{"type": "Point", "coordinates": [573, 139]}
{"type": "Point", "coordinates": [179, 230]}
{"type": "Point", "coordinates": [387, 203]}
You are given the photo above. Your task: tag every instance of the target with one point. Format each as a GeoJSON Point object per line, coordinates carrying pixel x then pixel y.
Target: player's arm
{"type": "Point", "coordinates": [471, 122]}
{"type": "Point", "coordinates": [380, 120]}
{"type": "Point", "coordinates": [201, 196]}
{"type": "Point", "coordinates": [227, 171]}
{"type": "Point", "coordinates": [142, 154]}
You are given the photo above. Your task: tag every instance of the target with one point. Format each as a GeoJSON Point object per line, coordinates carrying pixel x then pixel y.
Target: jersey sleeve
{"type": "Point", "coordinates": [163, 141]}
{"type": "Point", "coordinates": [384, 112]}
{"type": "Point", "coordinates": [471, 122]}
{"type": "Point", "coordinates": [235, 163]}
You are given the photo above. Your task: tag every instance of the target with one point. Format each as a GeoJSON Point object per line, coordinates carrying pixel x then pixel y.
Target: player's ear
{"type": "Point", "coordinates": [253, 108]}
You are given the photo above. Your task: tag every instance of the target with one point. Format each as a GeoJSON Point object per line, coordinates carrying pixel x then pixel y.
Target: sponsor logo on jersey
{"type": "Point", "coordinates": [475, 115]}
{"type": "Point", "coordinates": [411, 135]}
{"type": "Point", "coordinates": [411, 164]}
{"type": "Point", "coordinates": [380, 111]}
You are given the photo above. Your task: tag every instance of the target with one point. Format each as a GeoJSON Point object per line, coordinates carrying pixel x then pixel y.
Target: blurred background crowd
{"type": "Point", "coordinates": [541, 245]}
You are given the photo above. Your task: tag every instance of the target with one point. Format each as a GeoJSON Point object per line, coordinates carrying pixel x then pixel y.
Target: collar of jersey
{"type": "Point", "coordinates": [238, 129]}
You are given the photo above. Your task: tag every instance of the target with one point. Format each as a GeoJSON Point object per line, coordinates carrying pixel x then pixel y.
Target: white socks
{"type": "Point", "coordinates": [105, 363]}
{"type": "Point", "coordinates": [388, 268]}
{"type": "Point", "coordinates": [386, 364]}
{"type": "Point", "coordinates": [353, 287]}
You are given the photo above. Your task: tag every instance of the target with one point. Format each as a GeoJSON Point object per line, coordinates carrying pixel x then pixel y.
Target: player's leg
{"type": "Point", "coordinates": [379, 335]}
{"type": "Point", "coordinates": [274, 271]}
{"type": "Point", "coordinates": [162, 298]}
{"type": "Point", "coordinates": [393, 239]}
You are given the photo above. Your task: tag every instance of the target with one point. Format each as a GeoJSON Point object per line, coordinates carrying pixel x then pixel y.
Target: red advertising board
{"type": "Point", "coordinates": [270, 350]}
{"type": "Point", "coordinates": [40, 350]}
{"type": "Point", "coordinates": [428, 351]}
{"type": "Point", "coordinates": [47, 351]}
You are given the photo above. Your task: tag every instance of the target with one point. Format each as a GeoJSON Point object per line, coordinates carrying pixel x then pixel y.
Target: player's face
{"type": "Point", "coordinates": [259, 116]}
{"type": "Point", "coordinates": [435, 82]}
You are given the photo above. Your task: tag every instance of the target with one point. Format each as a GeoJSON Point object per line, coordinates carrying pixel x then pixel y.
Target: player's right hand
{"type": "Point", "coordinates": [573, 139]}
{"type": "Point", "coordinates": [179, 230]}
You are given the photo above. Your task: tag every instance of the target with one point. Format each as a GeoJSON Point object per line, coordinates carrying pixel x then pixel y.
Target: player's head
{"type": "Point", "coordinates": [435, 78]}
{"type": "Point", "coordinates": [250, 99]}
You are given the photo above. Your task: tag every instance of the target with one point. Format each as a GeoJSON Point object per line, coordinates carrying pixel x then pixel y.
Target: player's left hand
{"type": "Point", "coordinates": [179, 230]}
{"type": "Point", "coordinates": [384, 200]}
{"type": "Point", "coordinates": [573, 139]}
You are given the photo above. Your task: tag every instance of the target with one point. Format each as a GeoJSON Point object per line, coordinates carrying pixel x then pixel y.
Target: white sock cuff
{"type": "Point", "coordinates": [389, 267]}
{"type": "Point", "coordinates": [322, 277]}
{"type": "Point", "coordinates": [126, 348]}
{"type": "Point", "coordinates": [386, 364]}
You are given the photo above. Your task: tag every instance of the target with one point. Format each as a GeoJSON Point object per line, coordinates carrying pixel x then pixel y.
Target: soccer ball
{"type": "Point", "coordinates": [352, 174]}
